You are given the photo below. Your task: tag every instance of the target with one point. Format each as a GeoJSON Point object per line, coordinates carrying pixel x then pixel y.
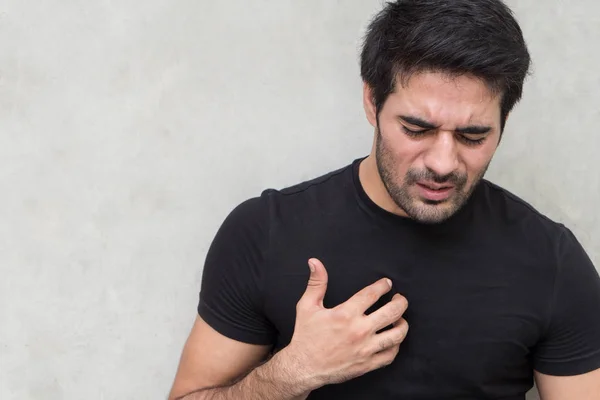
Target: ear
{"type": "Point", "coordinates": [369, 105]}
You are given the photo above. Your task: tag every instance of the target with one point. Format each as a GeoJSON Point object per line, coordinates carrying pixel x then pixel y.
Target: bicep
{"type": "Point", "coordinates": [211, 359]}
{"type": "Point", "coordinates": [581, 387]}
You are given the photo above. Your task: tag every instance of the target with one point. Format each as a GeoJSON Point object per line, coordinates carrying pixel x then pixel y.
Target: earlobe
{"type": "Point", "coordinates": [369, 105]}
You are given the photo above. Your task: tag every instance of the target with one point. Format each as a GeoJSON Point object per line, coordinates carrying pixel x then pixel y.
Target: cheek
{"type": "Point", "coordinates": [399, 146]}
{"type": "Point", "coordinates": [406, 155]}
{"type": "Point", "coordinates": [477, 159]}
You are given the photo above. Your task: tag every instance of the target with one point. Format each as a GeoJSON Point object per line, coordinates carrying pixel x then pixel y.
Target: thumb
{"type": "Point", "coordinates": [317, 283]}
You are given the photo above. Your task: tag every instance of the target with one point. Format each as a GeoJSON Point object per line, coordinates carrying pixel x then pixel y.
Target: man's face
{"type": "Point", "coordinates": [435, 138]}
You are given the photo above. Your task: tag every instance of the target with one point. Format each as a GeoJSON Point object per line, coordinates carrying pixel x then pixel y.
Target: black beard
{"type": "Point", "coordinates": [428, 212]}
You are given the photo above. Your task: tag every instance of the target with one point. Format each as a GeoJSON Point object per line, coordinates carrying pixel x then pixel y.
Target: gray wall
{"type": "Point", "coordinates": [128, 130]}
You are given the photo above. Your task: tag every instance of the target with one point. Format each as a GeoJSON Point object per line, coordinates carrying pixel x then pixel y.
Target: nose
{"type": "Point", "coordinates": [442, 156]}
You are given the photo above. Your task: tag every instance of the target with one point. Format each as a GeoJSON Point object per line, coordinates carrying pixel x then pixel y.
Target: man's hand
{"type": "Point", "coordinates": [338, 344]}
{"type": "Point", "coordinates": [328, 345]}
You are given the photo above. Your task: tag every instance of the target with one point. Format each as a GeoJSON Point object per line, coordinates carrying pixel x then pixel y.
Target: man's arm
{"type": "Point", "coordinates": [567, 360]}
{"type": "Point", "coordinates": [580, 387]}
{"type": "Point", "coordinates": [212, 365]}
{"type": "Point", "coordinates": [328, 346]}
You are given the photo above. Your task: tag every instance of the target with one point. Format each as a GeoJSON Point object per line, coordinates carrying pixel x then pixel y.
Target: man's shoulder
{"type": "Point", "coordinates": [514, 211]}
{"type": "Point", "coordinates": [323, 182]}
{"type": "Point", "coordinates": [321, 194]}
{"type": "Point", "coordinates": [324, 191]}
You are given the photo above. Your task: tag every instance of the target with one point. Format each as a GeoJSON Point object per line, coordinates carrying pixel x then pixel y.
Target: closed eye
{"type": "Point", "coordinates": [412, 132]}
{"type": "Point", "coordinates": [470, 141]}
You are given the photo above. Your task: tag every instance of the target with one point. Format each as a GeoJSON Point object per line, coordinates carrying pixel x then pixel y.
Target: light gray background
{"type": "Point", "coordinates": [129, 129]}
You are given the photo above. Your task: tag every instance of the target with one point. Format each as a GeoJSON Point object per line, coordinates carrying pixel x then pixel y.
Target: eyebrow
{"type": "Point", "coordinates": [469, 130]}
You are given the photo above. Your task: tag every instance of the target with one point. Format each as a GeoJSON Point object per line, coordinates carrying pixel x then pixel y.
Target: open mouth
{"type": "Point", "coordinates": [436, 188]}
{"type": "Point", "coordinates": [434, 192]}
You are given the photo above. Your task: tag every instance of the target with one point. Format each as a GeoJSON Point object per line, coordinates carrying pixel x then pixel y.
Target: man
{"type": "Point", "coordinates": [494, 292]}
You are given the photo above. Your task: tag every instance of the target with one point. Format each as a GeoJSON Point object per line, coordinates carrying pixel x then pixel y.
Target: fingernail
{"type": "Point", "coordinates": [311, 266]}
{"type": "Point", "coordinates": [389, 282]}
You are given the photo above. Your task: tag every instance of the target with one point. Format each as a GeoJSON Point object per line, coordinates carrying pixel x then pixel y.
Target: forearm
{"type": "Point", "coordinates": [277, 379]}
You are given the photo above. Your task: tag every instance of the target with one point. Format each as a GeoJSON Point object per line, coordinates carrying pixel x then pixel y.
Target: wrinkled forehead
{"type": "Point", "coordinates": [446, 100]}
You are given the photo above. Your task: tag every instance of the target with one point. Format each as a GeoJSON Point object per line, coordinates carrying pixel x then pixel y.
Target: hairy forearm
{"type": "Point", "coordinates": [274, 380]}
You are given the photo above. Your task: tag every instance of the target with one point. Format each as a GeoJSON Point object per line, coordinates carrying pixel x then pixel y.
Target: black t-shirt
{"type": "Point", "coordinates": [496, 291]}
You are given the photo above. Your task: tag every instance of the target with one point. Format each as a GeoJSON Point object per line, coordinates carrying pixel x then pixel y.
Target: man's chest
{"type": "Point", "coordinates": [473, 319]}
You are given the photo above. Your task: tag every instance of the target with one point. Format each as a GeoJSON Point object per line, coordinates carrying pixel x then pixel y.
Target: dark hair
{"type": "Point", "coordinates": [476, 37]}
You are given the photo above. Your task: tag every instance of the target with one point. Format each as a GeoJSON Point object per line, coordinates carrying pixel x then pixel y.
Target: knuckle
{"type": "Point", "coordinates": [402, 330]}
{"type": "Point", "coordinates": [340, 314]}
{"type": "Point", "coordinates": [396, 311]}
{"type": "Point", "coordinates": [358, 333]}
{"type": "Point", "coordinates": [399, 338]}
{"type": "Point", "coordinates": [402, 303]}
{"type": "Point", "coordinates": [386, 318]}
{"type": "Point", "coordinates": [371, 294]}
{"type": "Point", "coordinates": [364, 353]}
{"type": "Point", "coordinates": [391, 312]}
{"type": "Point", "coordinates": [385, 344]}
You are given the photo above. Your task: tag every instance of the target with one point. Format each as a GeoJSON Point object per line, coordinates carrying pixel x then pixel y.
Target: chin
{"type": "Point", "coordinates": [432, 213]}
{"type": "Point", "coordinates": [433, 218]}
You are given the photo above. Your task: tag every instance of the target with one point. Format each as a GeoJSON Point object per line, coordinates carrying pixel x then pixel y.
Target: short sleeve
{"type": "Point", "coordinates": [231, 298]}
{"type": "Point", "coordinates": [571, 345]}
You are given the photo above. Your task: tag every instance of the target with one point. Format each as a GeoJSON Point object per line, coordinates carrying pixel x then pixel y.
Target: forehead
{"type": "Point", "coordinates": [446, 100]}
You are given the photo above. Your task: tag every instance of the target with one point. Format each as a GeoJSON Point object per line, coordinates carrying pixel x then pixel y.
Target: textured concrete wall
{"type": "Point", "coordinates": [129, 129]}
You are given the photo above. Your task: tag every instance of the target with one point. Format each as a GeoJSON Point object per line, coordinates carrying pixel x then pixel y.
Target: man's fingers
{"type": "Point", "coordinates": [384, 358]}
{"type": "Point", "coordinates": [389, 313]}
{"type": "Point", "coordinates": [390, 338]}
{"type": "Point", "coordinates": [365, 298]}
{"type": "Point", "coordinates": [317, 283]}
